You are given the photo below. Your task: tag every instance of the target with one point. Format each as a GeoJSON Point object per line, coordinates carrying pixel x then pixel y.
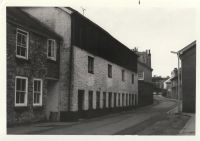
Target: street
{"type": "Point", "coordinates": [131, 122]}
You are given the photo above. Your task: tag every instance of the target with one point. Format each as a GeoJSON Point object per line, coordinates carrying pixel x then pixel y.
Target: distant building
{"type": "Point", "coordinates": [168, 87]}
{"type": "Point", "coordinates": [144, 65]}
{"type": "Point", "coordinates": [188, 65]}
{"type": "Point", "coordinates": [174, 83]}
{"type": "Point", "coordinates": [158, 81]}
{"type": "Point", "coordinates": [145, 86]}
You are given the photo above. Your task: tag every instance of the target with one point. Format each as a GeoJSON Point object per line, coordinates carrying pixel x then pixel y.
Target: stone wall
{"type": "Point", "coordinates": [60, 22]}
{"type": "Point", "coordinates": [37, 66]}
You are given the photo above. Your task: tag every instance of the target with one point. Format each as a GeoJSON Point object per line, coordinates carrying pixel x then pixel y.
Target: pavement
{"type": "Point", "coordinates": [136, 119]}
{"type": "Point", "coordinates": [189, 128]}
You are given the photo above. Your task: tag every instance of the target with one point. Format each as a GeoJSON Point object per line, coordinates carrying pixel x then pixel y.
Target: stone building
{"type": "Point", "coordinates": [174, 84]}
{"type": "Point", "coordinates": [168, 87]}
{"type": "Point", "coordinates": [188, 73]}
{"type": "Point", "coordinates": [33, 59]}
{"type": "Point", "coordinates": [145, 86]}
{"type": "Point", "coordinates": [97, 73]}
{"type": "Point", "coordinates": [144, 65]}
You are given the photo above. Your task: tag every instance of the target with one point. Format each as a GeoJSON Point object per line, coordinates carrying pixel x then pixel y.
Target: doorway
{"type": "Point", "coordinates": [80, 100]}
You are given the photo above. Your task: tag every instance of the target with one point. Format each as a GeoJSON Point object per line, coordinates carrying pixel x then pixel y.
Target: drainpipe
{"type": "Point", "coordinates": [71, 69]}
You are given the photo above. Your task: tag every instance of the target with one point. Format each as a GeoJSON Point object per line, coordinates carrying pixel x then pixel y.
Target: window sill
{"type": "Point", "coordinates": [22, 59]}
{"type": "Point", "coordinates": [91, 72]}
{"type": "Point", "coordinates": [21, 108]}
{"type": "Point", "coordinates": [52, 59]}
{"type": "Point", "coordinates": [38, 107]}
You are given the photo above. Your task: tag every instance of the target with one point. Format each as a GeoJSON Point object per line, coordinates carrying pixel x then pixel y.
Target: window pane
{"type": "Point", "coordinates": [22, 97]}
{"type": "Point", "coordinates": [17, 97]}
{"type": "Point", "coordinates": [19, 38]}
{"type": "Point", "coordinates": [22, 51]}
{"type": "Point", "coordinates": [38, 85]}
{"type": "Point", "coordinates": [23, 41]}
{"type": "Point", "coordinates": [35, 85]}
{"type": "Point", "coordinates": [23, 84]}
{"type": "Point", "coordinates": [18, 84]}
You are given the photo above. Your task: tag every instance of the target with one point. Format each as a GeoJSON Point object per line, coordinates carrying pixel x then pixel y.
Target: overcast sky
{"type": "Point", "coordinates": [159, 29]}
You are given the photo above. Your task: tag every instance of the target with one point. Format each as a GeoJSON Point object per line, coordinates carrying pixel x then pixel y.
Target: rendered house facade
{"type": "Point", "coordinates": [188, 73]}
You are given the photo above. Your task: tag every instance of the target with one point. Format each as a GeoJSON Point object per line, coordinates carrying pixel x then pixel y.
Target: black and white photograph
{"type": "Point", "coordinates": [100, 70]}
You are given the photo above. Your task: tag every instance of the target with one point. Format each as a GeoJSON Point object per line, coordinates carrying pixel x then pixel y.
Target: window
{"type": "Point", "coordinates": [132, 78]}
{"type": "Point", "coordinates": [140, 75]}
{"type": "Point", "coordinates": [98, 100]}
{"type": "Point", "coordinates": [37, 92]}
{"type": "Point", "coordinates": [123, 75]}
{"type": "Point", "coordinates": [90, 64]}
{"type": "Point", "coordinates": [22, 44]}
{"type": "Point", "coordinates": [21, 84]}
{"type": "Point", "coordinates": [109, 71]}
{"type": "Point", "coordinates": [90, 100]}
{"type": "Point", "coordinates": [81, 100]}
{"type": "Point", "coordinates": [51, 49]}
{"type": "Point", "coordinates": [104, 99]}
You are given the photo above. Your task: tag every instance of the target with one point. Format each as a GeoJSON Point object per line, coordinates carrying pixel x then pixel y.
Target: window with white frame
{"type": "Point", "coordinates": [37, 92]}
{"type": "Point", "coordinates": [51, 49]}
{"type": "Point", "coordinates": [140, 75]}
{"type": "Point", "coordinates": [22, 44]}
{"type": "Point", "coordinates": [21, 90]}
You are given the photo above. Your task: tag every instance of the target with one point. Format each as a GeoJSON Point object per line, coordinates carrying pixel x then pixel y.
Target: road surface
{"type": "Point", "coordinates": [124, 123]}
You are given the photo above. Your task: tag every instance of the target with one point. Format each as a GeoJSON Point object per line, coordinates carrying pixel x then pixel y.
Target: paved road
{"type": "Point", "coordinates": [119, 123]}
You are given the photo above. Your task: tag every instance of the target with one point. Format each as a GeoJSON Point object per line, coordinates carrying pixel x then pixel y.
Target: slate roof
{"type": "Point", "coordinates": [14, 14]}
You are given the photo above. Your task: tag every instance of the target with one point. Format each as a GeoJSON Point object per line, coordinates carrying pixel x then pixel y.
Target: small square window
{"type": "Point", "coordinates": [51, 49]}
{"type": "Point", "coordinates": [37, 92]}
{"type": "Point", "coordinates": [21, 90]}
{"type": "Point", "coordinates": [90, 64]}
{"type": "Point", "coordinates": [140, 75]}
{"type": "Point", "coordinates": [22, 44]}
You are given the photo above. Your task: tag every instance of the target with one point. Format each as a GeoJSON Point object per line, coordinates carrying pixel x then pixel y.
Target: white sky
{"type": "Point", "coordinates": [159, 29]}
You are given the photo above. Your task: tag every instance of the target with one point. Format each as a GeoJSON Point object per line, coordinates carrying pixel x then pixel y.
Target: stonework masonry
{"type": "Point", "coordinates": [37, 66]}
